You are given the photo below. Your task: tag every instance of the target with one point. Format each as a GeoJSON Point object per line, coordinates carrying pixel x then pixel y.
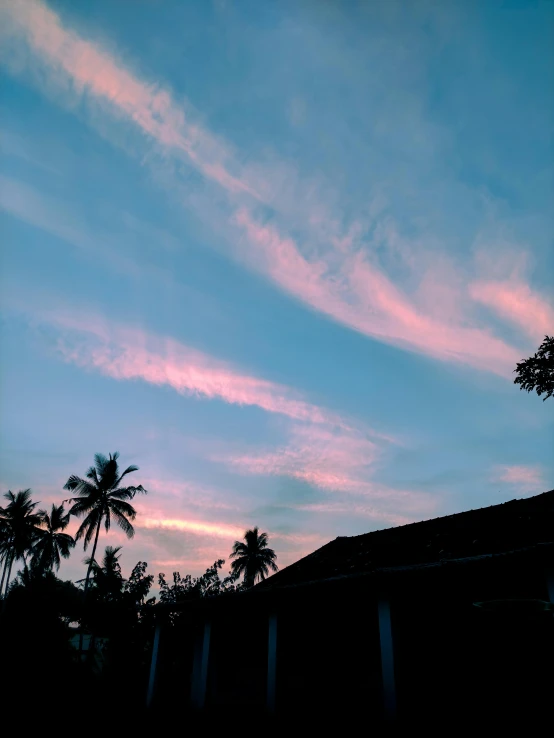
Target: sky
{"type": "Point", "coordinates": [283, 256]}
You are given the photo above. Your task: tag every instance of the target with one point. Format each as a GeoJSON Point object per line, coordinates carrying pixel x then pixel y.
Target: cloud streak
{"type": "Point", "coordinates": [127, 353]}
{"type": "Point", "coordinates": [525, 478]}
{"type": "Point", "coordinates": [334, 461]}
{"type": "Point", "coordinates": [359, 294]}
{"type": "Point", "coordinates": [516, 302]}
{"type": "Point", "coordinates": [80, 68]}
{"type": "Point", "coordinates": [340, 281]}
{"type": "Point", "coordinates": [199, 527]}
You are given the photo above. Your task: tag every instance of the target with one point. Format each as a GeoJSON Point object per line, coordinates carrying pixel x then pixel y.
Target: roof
{"type": "Point", "coordinates": [496, 529]}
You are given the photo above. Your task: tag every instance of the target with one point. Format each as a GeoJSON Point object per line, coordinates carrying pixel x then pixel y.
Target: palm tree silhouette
{"type": "Point", "coordinates": [19, 530]}
{"type": "Point", "coordinates": [52, 542]}
{"type": "Point", "coordinates": [253, 558]}
{"type": "Point", "coordinates": [100, 498]}
{"type": "Point", "coordinates": [107, 578]}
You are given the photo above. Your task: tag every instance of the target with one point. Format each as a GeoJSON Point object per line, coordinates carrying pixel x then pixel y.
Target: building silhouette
{"type": "Point", "coordinates": [448, 619]}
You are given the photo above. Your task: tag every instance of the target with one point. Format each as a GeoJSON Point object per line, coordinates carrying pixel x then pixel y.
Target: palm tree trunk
{"type": "Point", "coordinates": [87, 579]}
{"type": "Point", "coordinates": [10, 557]}
{"type": "Point", "coordinates": [4, 569]}
{"type": "Point", "coordinates": [9, 573]}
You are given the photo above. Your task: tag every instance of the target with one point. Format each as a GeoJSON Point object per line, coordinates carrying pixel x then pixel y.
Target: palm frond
{"type": "Point", "coordinates": [81, 486]}
{"type": "Point", "coordinates": [239, 549]}
{"type": "Point", "coordinates": [128, 470]}
{"type": "Point", "coordinates": [124, 524]}
{"type": "Point", "coordinates": [262, 540]}
{"type": "Point", "coordinates": [123, 508]}
{"type": "Point", "coordinates": [92, 474]}
{"type": "Point", "coordinates": [88, 527]}
{"type": "Point", "coordinates": [83, 506]}
{"type": "Point", "coordinates": [100, 462]}
{"type": "Point", "coordinates": [252, 557]}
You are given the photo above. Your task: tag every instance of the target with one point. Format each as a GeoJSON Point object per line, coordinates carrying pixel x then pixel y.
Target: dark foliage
{"type": "Point", "coordinates": [537, 372]}
{"type": "Point", "coordinates": [51, 542]}
{"type": "Point", "coordinates": [36, 635]}
{"type": "Point", "coordinates": [19, 530]}
{"type": "Point", "coordinates": [189, 588]}
{"type": "Point", "coordinates": [253, 558]}
{"type": "Point", "coordinates": [101, 499]}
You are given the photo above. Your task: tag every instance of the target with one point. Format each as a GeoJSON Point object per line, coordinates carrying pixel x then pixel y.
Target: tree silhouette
{"type": "Point", "coordinates": [139, 583]}
{"type": "Point", "coordinates": [537, 372]}
{"type": "Point", "coordinates": [19, 530]}
{"type": "Point", "coordinates": [52, 542]}
{"type": "Point", "coordinates": [4, 549]}
{"type": "Point", "coordinates": [108, 580]}
{"type": "Point", "coordinates": [100, 498]}
{"type": "Point", "coordinates": [253, 558]}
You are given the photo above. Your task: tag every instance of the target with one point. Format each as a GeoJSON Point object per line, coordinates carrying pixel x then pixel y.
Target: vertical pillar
{"type": "Point", "coordinates": [204, 663]}
{"type": "Point", "coordinates": [196, 666]}
{"type": "Point", "coordinates": [549, 572]}
{"type": "Point", "coordinates": [153, 666]}
{"type": "Point", "coordinates": [387, 657]}
{"type": "Point", "coordinates": [272, 662]}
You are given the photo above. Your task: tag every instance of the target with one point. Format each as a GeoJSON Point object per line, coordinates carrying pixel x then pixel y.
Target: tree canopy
{"type": "Point", "coordinates": [537, 372]}
{"type": "Point", "coordinates": [252, 557]}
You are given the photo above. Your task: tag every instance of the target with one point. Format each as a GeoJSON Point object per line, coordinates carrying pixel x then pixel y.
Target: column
{"type": "Point", "coordinates": [549, 572]}
{"type": "Point", "coordinates": [204, 665]}
{"type": "Point", "coordinates": [153, 666]}
{"type": "Point", "coordinates": [387, 657]}
{"type": "Point", "coordinates": [200, 668]}
{"type": "Point", "coordinates": [272, 662]}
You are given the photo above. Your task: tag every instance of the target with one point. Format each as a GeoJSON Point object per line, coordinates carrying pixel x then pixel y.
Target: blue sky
{"type": "Point", "coordinates": [283, 256]}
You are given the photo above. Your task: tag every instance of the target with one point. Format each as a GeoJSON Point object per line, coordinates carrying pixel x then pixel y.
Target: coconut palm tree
{"type": "Point", "coordinates": [100, 498]}
{"type": "Point", "coordinates": [52, 542]}
{"type": "Point", "coordinates": [108, 580]}
{"type": "Point", "coordinates": [252, 557]}
{"type": "Point", "coordinates": [19, 530]}
{"type": "Point", "coordinates": [4, 550]}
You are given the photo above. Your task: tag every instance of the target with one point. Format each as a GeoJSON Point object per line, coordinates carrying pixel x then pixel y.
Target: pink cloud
{"type": "Point", "coordinates": [342, 283]}
{"type": "Point", "coordinates": [199, 527]}
{"type": "Point", "coordinates": [317, 455]}
{"type": "Point", "coordinates": [81, 68]}
{"type": "Point", "coordinates": [365, 511]}
{"type": "Point", "coordinates": [360, 295]}
{"type": "Point", "coordinates": [127, 353]}
{"type": "Point", "coordinates": [190, 494]}
{"type": "Point", "coordinates": [332, 460]}
{"type": "Point", "coordinates": [525, 477]}
{"type": "Point", "coordinates": [222, 529]}
{"type": "Point", "coordinates": [515, 301]}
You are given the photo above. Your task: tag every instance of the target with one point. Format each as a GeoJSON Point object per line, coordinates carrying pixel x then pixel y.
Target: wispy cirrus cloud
{"type": "Point", "coordinates": [220, 529]}
{"type": "Point", "coordinates": [515, 301]}
{"type": "Point", "coordinates": [359, 294]}
{"type": "Point", "coordinates": [524, 478]}
{"type": "Point", "coordinates": [128, 353]}
{"type": "Point", "coordinates": [359, 510]}
{"type": "Point", "coordinates": [320, 456]}
{"type": "Point", "coordinates": [333, 460]}
{"type": "Point", "coordinates": [340, 279]}
{"type": "Point", "coordinates": [200, 527]}
{"type": "Point", "coordinates": [79, 68]}
{"type": "Point", "coordinates": [325, 450]}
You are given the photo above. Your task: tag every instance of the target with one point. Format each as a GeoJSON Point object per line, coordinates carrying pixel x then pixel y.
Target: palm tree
{"type": "Point", "coordinates": [107, 578]}
{"type": "Point", "coordinates": [253, 558]}
{"type": "Point", "coordinates": [100, 498]}
{"type": "Point", "coordinates": [52, 542]}
{"type": "Point", "coordinates": [19, 530]}
{"type": "Point", "coordinates": [4, 550]}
